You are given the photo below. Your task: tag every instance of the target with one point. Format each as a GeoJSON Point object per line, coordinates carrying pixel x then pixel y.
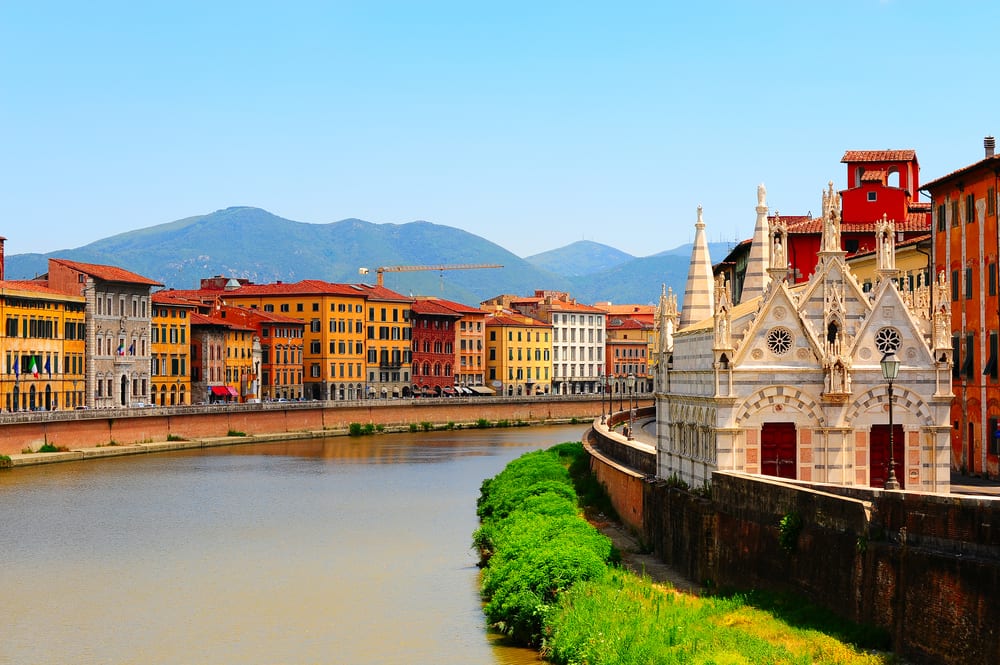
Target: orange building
{"type": "Point", "coordinates": [170, 355]}
{"type": "Point", "coordinates": [276, 368]}
{"type": "Point", "coordinates": [966, 248]}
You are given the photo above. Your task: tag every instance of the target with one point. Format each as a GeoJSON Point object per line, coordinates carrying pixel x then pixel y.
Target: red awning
{"type": "Point", "coordinates": [232, 391]}
{"type": "Point", "coordinates": [219, 390]}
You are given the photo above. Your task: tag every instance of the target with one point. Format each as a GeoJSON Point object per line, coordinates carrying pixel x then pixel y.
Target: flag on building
{"type": "Point", "coordinates": [48, 368]}
{"type": "Point", "coordinates": [131, 348]}
{"type": "Point", "coordinates": [17, 366]}
{"type": "Point", "coordinates": [121, 348]}
{"type": "Point", "coordinates": [33, 367]}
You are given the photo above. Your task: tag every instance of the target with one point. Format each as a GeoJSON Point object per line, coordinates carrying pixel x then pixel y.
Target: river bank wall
{"type": "Point", "coordinates": [120, 429]}
{"type": "Point", "coordinates": [924, 567]}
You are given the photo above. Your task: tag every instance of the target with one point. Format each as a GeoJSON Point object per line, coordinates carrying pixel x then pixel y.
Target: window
{"type": "Point", "coordinates": [968, 366]}
{"type": "Point", "coordinates": [954, 285]}
{"type": "Point", "coordinates": [954, 213]}
{"type": "Point", "coordinates": [991, 201]}
{"type": "Point", "coordinates": [968, 283]}
{"type": "Point", "coordinates": [991, 364]}
{"type": "Point", "coordinates": [873, 196]}
{"type": "Point", "coordinates": [970, 208]}
{"type": "Point", "coordinates": [992, 281]}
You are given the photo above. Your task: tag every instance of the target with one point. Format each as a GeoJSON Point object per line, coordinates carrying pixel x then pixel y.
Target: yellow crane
{"type": "Point", "coordinates": [380, 272]}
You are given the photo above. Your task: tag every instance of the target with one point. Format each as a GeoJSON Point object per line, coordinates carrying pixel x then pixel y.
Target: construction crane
{"type": "Point", "coordinates": [380, 272]}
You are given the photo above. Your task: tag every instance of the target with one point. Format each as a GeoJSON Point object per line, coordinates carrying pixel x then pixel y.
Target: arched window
{"type": "Point", "coordinates": [893, 177]}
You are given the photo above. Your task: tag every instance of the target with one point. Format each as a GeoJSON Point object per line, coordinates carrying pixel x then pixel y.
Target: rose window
{"type": "Point", "coordinates": [887, 340]}
{"type": "Point", "coordinates": [779, 341]}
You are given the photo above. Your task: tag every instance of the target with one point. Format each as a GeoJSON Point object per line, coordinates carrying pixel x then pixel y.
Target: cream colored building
{"type": "Point", "coordinates": [788, 383]}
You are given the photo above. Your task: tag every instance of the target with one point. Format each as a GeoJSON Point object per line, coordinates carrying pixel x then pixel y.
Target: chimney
{"type": "Point", "coordinates": [2, 240]}
{"type": "Point", "coordinates": [990, 144]}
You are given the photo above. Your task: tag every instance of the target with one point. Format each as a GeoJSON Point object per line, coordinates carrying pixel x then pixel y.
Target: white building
{"type": "Point", "coordinates": [788, 383]}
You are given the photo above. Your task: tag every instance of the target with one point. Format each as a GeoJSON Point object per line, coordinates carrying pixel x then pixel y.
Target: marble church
{"type": "Point", "coordinates": [788, 382]}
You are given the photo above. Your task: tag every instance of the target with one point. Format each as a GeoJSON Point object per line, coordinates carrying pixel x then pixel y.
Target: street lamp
{"type": "Point", "coordinates": [630, 382]}
{"type": "Point", "coordinates": [890, 369]}
{"type": "Point", "coordinates": [621, 393]}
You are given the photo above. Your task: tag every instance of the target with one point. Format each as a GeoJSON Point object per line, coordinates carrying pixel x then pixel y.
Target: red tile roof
{"type": "Point", "coordinates": [107, 273]}
{"type": "Point", "coordinates": [877, 175]}
{"type": "Point", "coordinates": [306, 287]}
{"type": "Point", "coordinates": [452, 305]}
{"type": "Point", "coordinates": [37, 286]}
{"type": "Point", "coordinates": [988, 163]}
{"type": "Point", "coordinates": [431, 308]}
{"type": "Point", "coordinates": [878, 156]}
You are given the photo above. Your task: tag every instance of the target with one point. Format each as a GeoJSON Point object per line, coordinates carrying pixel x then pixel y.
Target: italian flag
{"type": "Point", "coordinates": [34, 367]}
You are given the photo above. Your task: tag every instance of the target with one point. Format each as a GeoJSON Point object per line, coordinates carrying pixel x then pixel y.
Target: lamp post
{"type": "Point", "coordinates": [890, 369]}
{"type": "Point", "coordinates": [630, 381]}
{"type": "Point", "coordinates": [621, 393]}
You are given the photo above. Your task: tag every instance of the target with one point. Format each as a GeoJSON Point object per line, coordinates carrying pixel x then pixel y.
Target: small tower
{"type": "Point", "coordinates": [698, 290]}
{"type": "Point", "coordinates": [885, 248]}
{"type": "Point", "coordinates": [759, 261]}
{"type": "Point", "coordinates": [777, 270]}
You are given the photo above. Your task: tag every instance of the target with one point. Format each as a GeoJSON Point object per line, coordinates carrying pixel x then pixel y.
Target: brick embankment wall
{"type": "Point", "coordinates": [623, 484]}
{"type": "Point", "coordinates": [924, 567]}
{"type": "Point", "coordinates": [78, 429]}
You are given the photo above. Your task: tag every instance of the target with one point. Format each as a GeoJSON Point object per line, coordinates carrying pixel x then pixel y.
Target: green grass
{"type": "Point", "coordinates": [235, 432]}
{"type": "Point", "coordinates": [551, 580]}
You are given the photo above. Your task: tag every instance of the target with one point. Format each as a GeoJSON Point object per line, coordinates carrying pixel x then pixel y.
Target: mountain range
{"type": "Point", "coordinates": [251, 243]}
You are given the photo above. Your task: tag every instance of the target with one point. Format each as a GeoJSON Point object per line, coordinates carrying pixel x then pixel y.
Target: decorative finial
{"type": "Point", "coordinates": [701, 222]}
{"type": "Point", "coordinates": [761, 196]}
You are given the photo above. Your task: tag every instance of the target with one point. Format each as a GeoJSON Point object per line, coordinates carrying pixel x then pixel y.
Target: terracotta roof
{"type": "Point", "coordinates": [905, 243]}
{"type": "Point", "coordinates": [107, 273]}
{"type": "Point", "coordinates": [170, 298]}
{"type": "Point", "coordinates": [455, 307]}
{"type": "Point", "coordinates": [627, 324]}
{"type": "Point", "coordinates": [202, 320]}
{"type": "Point", "coordinates": [39, 287]}
{"type": "Point", "coordinates": [431, 308]}
{"type": "Point", "coordinates": [306, 287]}
{"type": "Point", "coordinates": [873, 176]}
{"type": "Point", "coordinates": [987, 163]}
{"type": "Point", "coordinates": [915, 221]}
{"type": "Point", "coordinates": [878, 156]}
{"type": "Point", "coordinates": [508, 318]}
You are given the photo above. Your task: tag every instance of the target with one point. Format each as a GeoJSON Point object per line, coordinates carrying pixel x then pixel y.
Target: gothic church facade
{"type": "Point", "coordinates": [788, 383]}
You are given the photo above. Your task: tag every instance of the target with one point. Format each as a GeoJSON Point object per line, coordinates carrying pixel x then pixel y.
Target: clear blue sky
{"type": "Point", "coordinates": [532, 124]}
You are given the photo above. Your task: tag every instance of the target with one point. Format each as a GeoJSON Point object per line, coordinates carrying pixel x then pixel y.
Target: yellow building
{"type": "Point", "coordinates": [43, 342]}
{"type": "Point", "coordinates": [388, 367]}
{"type": "Point", "coordinates": [912, 262]}
{"type": "Point", "coordinates": [518, 353]}
{"type": "Point", "coordinates": [170, 344]}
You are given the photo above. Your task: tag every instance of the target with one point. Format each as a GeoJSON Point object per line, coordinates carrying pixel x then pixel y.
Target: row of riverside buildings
{"type": "Point", "coordinates": [95, 336]}
{"type": "Point", "coordinates": [774, 365]}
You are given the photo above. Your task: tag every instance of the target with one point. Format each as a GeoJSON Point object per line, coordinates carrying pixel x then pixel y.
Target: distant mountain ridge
{"type": "Point", "coordinates": [252, 243]}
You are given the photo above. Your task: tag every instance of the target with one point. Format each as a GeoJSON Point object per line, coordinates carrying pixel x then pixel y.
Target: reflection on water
{"type": "Point", "coordinates": [343, 550]}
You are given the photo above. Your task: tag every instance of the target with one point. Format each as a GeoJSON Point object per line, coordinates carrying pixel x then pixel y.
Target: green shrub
{"type": "Point", "coordinates": [533, 543]}
{"type": "Point", "coordinates": [380, 428]}
{"type": "Point", "coordinates": [369, 428]}
{"type": "Point", "coordinates": [5, 462]}
{"type": "Point", "coordinates": [789, 528]}
{"type": "Point", "coordinates": [235, 432]}
{"type": "Point", "coordinates": [482, 423]}
{"type": "Point", "coordinates": [48, 448]}
{"type": "Point", "coordinates": [174, 437]}
{"type": "Point", "coordinates": [427, 426]}
{"type": "Point", "coordinates": [354, 429]}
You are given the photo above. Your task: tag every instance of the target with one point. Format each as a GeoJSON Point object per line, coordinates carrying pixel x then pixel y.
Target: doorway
{"type": "Point", "coordinates": [878, 455]}
{"type": "Point", "coordinates": [778, 450]}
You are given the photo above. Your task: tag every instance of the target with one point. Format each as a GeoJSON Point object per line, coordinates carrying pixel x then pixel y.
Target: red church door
{"type": "Point", "coordinates": [878, 456]}
{"type": "Point", "coordinates": [777, 450]}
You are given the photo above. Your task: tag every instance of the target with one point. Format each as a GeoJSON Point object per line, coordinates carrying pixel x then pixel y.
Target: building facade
{"type": "Point", "coordinates": [788, 383]}
{"type": "Point", "coordinates": [170, 351]}
{"type": "Point", "coordinates": [966, 246]}
{"type": "Point", "coordinates": [119, 316]}
{"type": "Point", "coordinates": [518, 353]}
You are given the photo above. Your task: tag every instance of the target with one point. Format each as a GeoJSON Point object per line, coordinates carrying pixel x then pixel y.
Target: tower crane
{"type": "Point", "coordinates": [380, 272]}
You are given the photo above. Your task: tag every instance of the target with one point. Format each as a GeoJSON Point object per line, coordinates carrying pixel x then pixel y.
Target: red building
{"type": "Point", "coordinates": [434, 333]}
{"type": "Point", "coordinates": [881, 184]}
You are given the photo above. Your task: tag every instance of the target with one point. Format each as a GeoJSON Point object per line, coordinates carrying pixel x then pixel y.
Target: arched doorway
{"type": "Point", "coordinates": [123, 391]}
{"type": "Point", "coordinates": [878, 455]}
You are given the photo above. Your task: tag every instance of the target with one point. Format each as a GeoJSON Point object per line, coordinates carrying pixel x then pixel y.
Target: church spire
{"type": "Point", "coordinates": [756, 279]}
{"type": "Point", "coordinates": [698, 301]}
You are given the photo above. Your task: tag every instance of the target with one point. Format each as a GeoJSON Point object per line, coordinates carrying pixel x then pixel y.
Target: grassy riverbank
{"type": "Point", "coordinates": [551, 580]}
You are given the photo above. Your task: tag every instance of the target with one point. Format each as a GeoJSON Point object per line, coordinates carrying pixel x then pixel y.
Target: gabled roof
{"type": "Point", "coordinates": [449, 305]}
{"type": "Point", "coordinates": [431, 308]}
{"type": "Point", "coordinates": [202, 320]}
{"type": "Point", "coordinates": [107, 273]}
{"type": "Point", "coordinates": [878, 156]}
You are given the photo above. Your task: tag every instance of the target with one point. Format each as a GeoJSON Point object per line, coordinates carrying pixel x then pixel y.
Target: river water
{"type": "Point", "coordinates": [339, 550]}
